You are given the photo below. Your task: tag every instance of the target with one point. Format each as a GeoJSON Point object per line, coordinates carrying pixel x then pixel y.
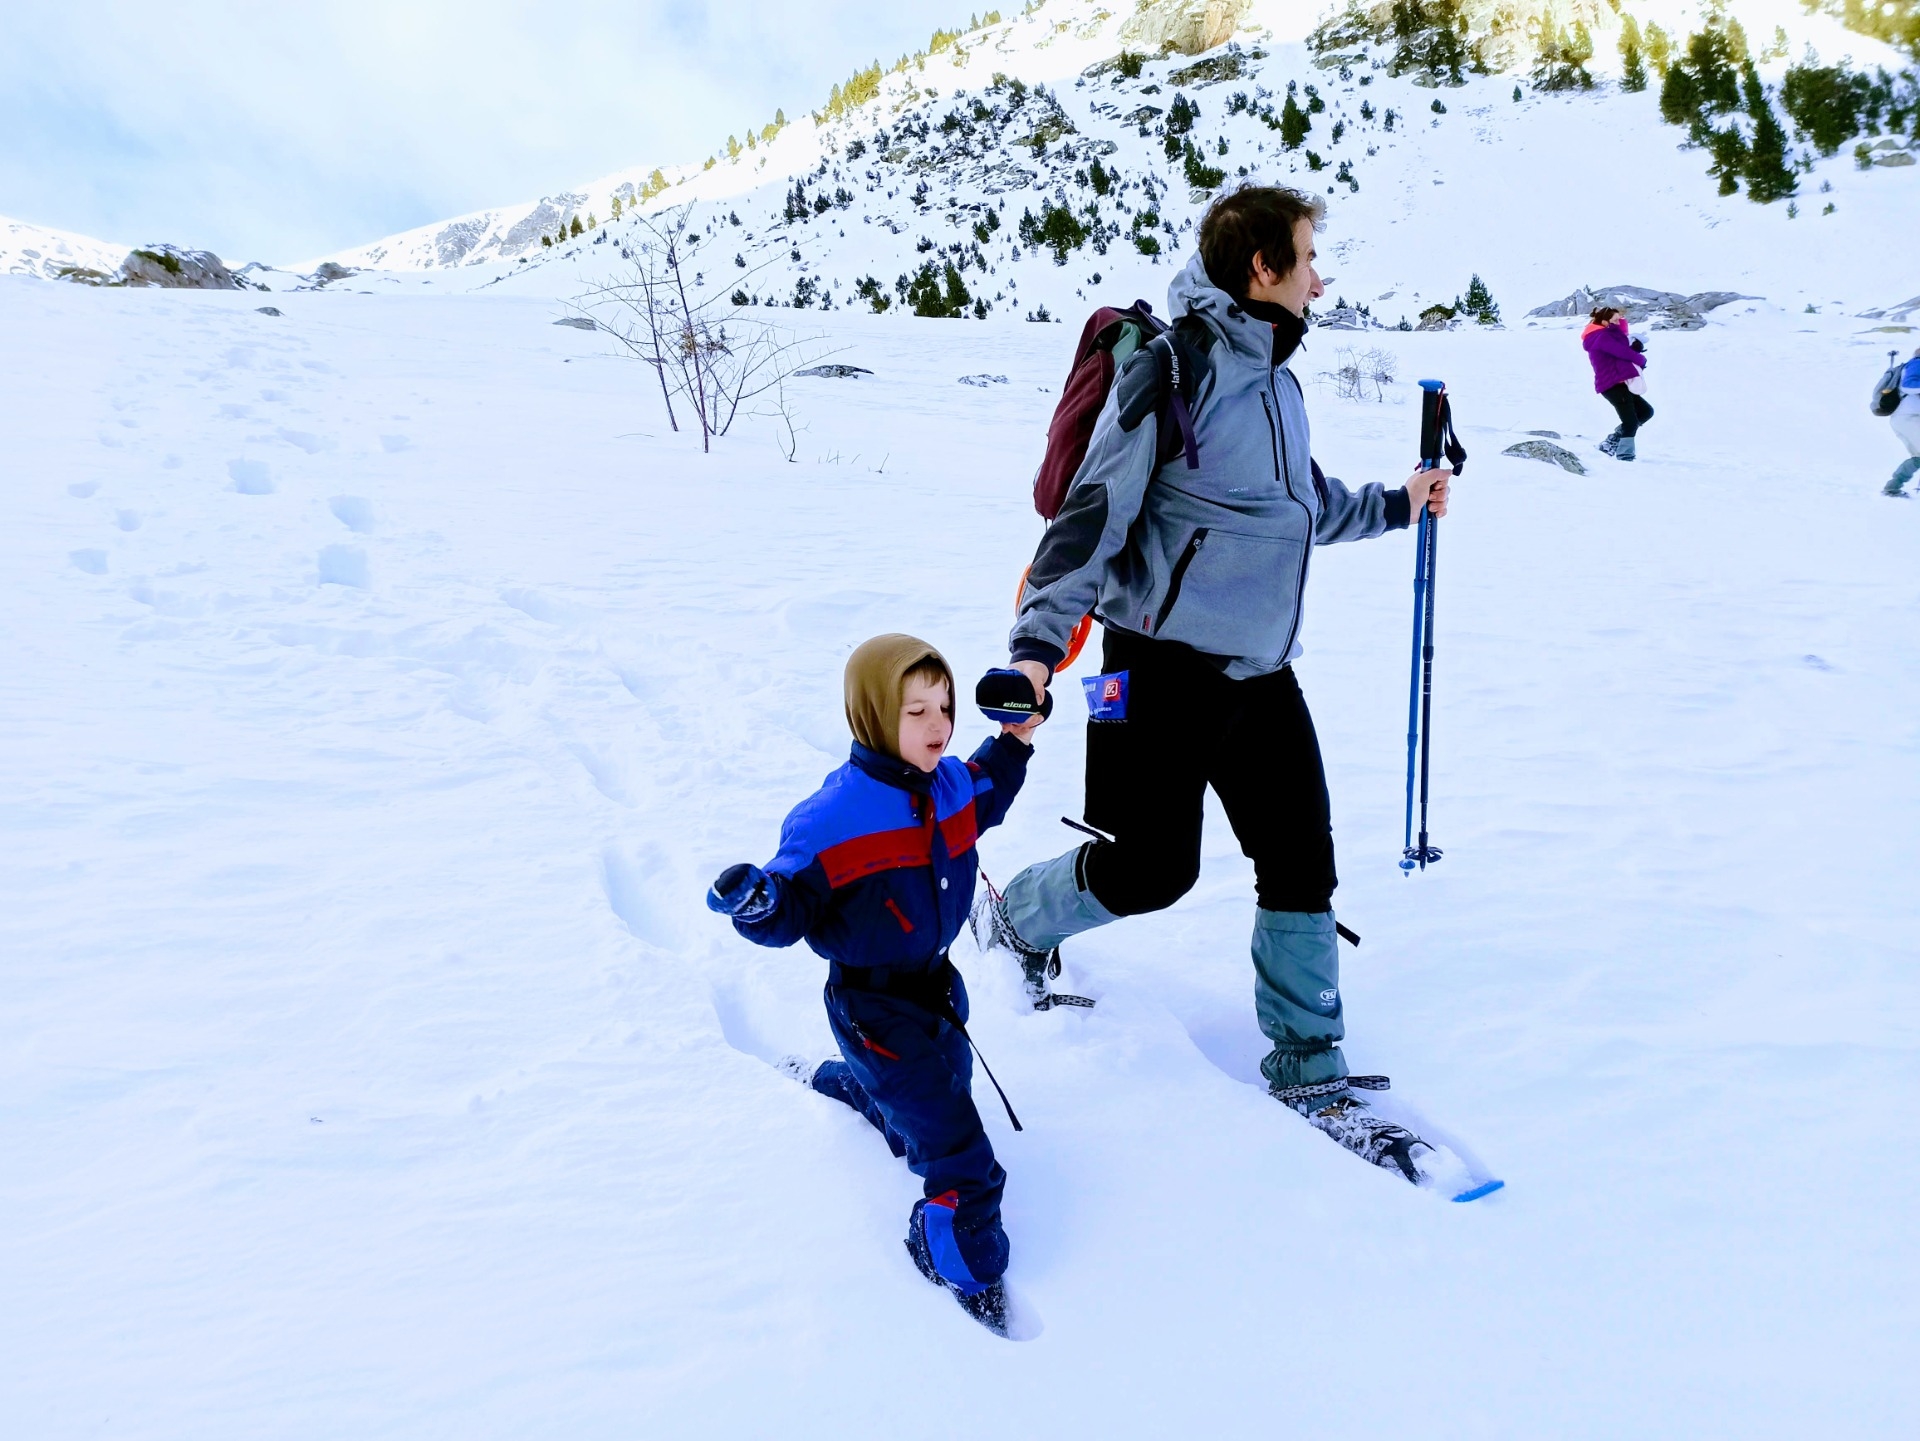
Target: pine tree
{"type": "Point", "coordinates": [1679, 96]}
{"type": "Point", "coordinates": [616, 207]}
{"type": "Point", "coordinates": [1729, 150]}
{"type": "Point", "coordinates": [1769, 177]}
{"type": "Point", "coordinates": [1659, 50]}
{"type": "Point", "coordinates": [576, 229]}
{"type": "Point", "coordinates": [1294, 125]}
{"type": "Point", "coordinates": [1633, 70]}
{"type": "Point", "coordinates": [1479, 303]}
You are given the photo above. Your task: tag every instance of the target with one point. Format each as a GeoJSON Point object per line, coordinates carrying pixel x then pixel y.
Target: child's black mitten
{"type": "Point", "coordinates": [741, 891]}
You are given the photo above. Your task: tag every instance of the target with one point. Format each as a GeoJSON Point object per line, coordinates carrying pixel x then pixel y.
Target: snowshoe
{"type": "Point", "coordinates": [1607, 445]}
{"type": "Point", "coordinates": [988, 1305]}
{"type": "Point", "coordinates": [992, 929]}
{"type": "Point", "coordinates": [1349, 1121]}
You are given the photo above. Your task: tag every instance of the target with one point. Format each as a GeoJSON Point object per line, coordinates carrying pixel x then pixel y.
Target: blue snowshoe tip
{"type": "Point", "coordinates": [1005, 697]}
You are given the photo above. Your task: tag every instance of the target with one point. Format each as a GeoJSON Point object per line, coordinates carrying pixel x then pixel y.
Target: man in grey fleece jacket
{"type": "Point", "coordinates": [1197, 575]}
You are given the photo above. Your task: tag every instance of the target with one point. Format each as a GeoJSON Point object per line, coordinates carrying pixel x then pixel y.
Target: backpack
{"type": "Point", "coordinates": [1886, 390]}
{"type": "Point", "coordinates": [1106, 341]}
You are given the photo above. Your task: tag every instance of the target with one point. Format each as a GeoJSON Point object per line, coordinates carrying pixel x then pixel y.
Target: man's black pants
{"type": "Point", "coordinates": [1189, 727]}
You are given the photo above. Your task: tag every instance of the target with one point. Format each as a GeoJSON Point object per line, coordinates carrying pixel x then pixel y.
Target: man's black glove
{"type": "Point", "coordinates": [1640, 346]}
{"type": "Point", "coordinates": [743, 892]}
{"type": "Point", "coordinates": [1006, 697]}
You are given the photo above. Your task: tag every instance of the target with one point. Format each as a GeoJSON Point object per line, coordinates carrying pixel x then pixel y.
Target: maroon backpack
{"type": "Point", "coordinates": [1109, 337]}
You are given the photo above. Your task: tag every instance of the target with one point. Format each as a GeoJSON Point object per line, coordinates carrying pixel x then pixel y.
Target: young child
{"type": "Point", "coordinates": [875, 872]}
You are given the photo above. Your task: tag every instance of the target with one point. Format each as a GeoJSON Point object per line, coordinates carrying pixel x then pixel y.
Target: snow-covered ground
{"type": "Point", "coordinates": [383, 682]}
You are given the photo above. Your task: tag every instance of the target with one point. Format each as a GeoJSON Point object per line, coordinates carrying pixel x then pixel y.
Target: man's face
{"type": "Point", "coordinates": [926, 723]}
{"type": "Point", "coordinates": [1300, 286]}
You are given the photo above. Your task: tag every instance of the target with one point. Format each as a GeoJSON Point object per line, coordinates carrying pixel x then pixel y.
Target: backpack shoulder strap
{"type": "Point", "coordinates": [1165, 380]}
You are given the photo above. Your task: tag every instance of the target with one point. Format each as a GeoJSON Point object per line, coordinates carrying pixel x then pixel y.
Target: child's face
{"type": "Point", "coordinates": [926, 722]}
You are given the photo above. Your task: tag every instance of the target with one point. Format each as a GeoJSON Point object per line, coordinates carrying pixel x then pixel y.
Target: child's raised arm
{"type": "Point", "coordinates": [999, 769]}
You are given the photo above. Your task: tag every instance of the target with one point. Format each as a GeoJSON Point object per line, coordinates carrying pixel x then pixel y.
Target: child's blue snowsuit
{"type": "Point", "coordinates": [876, 872]}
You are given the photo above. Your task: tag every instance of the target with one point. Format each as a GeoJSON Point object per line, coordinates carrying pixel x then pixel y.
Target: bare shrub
{"type": "Point", "coordinates": [1355, 371]}
{"type": "Point", "coordinates": [705, 353]}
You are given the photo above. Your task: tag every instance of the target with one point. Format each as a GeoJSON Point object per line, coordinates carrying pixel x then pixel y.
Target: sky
{"type": "Point", "coordinates": [281, 132]}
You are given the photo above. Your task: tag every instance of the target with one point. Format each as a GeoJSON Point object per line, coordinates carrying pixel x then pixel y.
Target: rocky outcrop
{"type": "Point", "coordinates": [171, 267]}
{"type": "Point", "coordinates": [1663, 309]}
{"type": "Point", "coordinates": [1189, 26]}
{"type": "Point", "coordinates": [1344, 317]}
{"type": "Point", "coordinates": [1906, 310]}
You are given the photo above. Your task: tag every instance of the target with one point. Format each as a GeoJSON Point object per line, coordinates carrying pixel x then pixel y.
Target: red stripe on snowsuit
{"type": "Point", "coordinates": [881, 851]}
{"type": "Point", "coordinates": [895, 850]}
{"type": "Point", "coordinates": [959, 831]}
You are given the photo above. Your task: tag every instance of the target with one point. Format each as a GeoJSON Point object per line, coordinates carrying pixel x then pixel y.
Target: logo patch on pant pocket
{"type": "Point", "coordinates": [1106, 695]}
{"type": "Point", "coordinates": [1329, 999]}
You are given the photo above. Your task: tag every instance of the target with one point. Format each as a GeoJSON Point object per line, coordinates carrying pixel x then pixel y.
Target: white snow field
{"type": "Point", "coordinates": [383, 683]}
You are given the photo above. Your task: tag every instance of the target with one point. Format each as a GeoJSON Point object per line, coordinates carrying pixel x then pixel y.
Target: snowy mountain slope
{"type": "Point", "coordinates": [35, 250]}
{"type": "Point", "coordinates": [1536, 195]}
{"type": "Point", "coordinates": [384, 683]}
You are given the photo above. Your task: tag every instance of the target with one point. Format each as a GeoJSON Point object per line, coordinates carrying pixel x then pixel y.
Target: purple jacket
{"type": "Point", "coordinates": [1614, 361]}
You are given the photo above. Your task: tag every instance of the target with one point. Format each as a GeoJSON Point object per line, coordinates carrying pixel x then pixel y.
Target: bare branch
{"type": "Point", "coordinates": [716, 359]}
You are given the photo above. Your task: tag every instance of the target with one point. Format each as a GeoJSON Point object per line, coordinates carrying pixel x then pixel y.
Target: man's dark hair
{"type": "Point", "coordinates": [1255, 219]}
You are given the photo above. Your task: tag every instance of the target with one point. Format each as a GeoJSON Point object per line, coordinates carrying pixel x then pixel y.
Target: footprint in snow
{"type": "Point", "coordinates": [343, 565]}
{"type": "Point", "coordinates": [83, 488]}
{"type": "Point", "coordinates": [393, 444]}
{"type": "Point", "coordinates": [632, 891]}
{"type": "Point", "coordinates": [355, 512]}
{"type": "Point", "coordinates": [93, 562]}
{"type": "Point", "coordinates": [251, 477]}
{"type": "Point", "coordinates": [127, 519]}
{"type": "Point", "coordinates": [305, 440]}
{"type": "Point", "coordinates": [605, 771]}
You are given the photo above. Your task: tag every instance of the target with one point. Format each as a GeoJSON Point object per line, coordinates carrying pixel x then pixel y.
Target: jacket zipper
{"type": "Point", "coordinates": [1179, 577]}
{"type": "Point", "coordinates": [1279, 465]}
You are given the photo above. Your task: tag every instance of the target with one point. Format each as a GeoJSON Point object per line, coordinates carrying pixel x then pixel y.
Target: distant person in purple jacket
{"type": "Point", "coordinates": [1617, 363]}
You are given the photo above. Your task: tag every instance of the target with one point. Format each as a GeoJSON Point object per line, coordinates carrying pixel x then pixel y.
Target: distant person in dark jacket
{"type": "Point", "coordinates": [1617, 363]}
{"type": "Point", "coordinates": [875, 872]}
{"type": "Point", "coordinates": [1906, 425]}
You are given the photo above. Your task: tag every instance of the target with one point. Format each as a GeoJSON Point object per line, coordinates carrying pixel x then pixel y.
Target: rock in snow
{"type": "Point", "coordinates": [175, 268]}
{"type": "Point", "coordinates": [834, 372]}
{"type": "Point", "coordinates": [1546, 450]}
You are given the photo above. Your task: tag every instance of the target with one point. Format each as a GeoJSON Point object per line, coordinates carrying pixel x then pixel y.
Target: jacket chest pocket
{"type": "Point", "coordinates": [1237, 594]}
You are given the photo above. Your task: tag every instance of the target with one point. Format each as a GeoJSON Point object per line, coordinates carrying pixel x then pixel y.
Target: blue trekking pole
{"type": "Point", "coordinates": [1436, 438]}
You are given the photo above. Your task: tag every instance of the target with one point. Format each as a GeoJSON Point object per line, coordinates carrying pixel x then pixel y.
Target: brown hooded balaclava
{"type": "Point", "coordinates": [876, 683]}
